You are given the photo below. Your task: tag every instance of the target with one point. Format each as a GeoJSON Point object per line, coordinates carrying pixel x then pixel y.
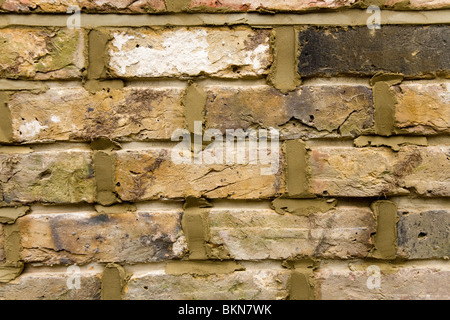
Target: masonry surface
{"type": "Point", "coordinates": [89, 103]}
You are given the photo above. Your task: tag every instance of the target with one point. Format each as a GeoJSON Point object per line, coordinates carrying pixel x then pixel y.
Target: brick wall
{"type": "Point", "coordinates": [352, 202]}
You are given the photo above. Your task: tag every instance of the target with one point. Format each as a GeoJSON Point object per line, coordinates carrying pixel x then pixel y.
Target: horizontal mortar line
{"type": "Point", "coordinates": [345, 17]}
{"type": "Point", "coordinates": [156, 83]}
{"type": "Point", "coordinates": [250, 265]}
{"type": "Point", "coordinates": [335, 81]}
{"type": "Point", "coordinates": [91, 268]}
{"type": "Point", "coordinates": [421, 203]}
{"type": "Point", "coordinates": [60, 146]}
{"type": "Point", "coordinates": [48, 146]}
{"type": "Point", "coordinates": [6, 84]}
{"type": "Point", "coordinates": [427, 81]}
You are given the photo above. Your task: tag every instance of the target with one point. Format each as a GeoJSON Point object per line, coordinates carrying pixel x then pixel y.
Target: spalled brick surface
{"type": "Point", "coordinates": [414, 51]}
{"type": "Point", "coordinates": [422, 108]}
{"type": "Point", "coordinates": [43, 53]}
{"type": "Point", "coordinates": [337, 281]}
{"type": "Point", "coordinates": [289, 5]}
{"type": "Point", "coordinates": [152, 174]}
{"type": "Point", "coordinates": [52, 286]}
{"type": "Point", "coordinates": [74, 114]}
{"type": "Point", "coordinates": [368, 172]}
{"type": "Point", "coordinates": [263, 234]}
{"type": "Point", "coordinates": [80, 238]}
{"type": "Point", "coordinates": [55, 177]}
{"type": "Point", "coordinates": [217, 52]}
{"type": "Point", "coordinates": [125, 6]}
{"type": "Point", "coordinates": [252, 284]}
{"type": "Point", "coordinates": [310, 111]}
{"type": "Point", "coordinates": [424, 234]}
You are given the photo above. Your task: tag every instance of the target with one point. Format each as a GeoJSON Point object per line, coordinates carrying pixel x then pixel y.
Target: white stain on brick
{"type": "Point", "coordinates": [55, 119]}
{"type": "Point", "coordinates": [185, 52]}
{"type": "Point", "coordinates": [31, 129]}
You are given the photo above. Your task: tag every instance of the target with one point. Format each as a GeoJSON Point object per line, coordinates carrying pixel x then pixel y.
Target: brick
{"type": "Point", "coordinates": [422, 108]}
{"type": "Point", "coordinates": [309, 112]}
{"type": "Point", "coordinates": [367, 172]}
{"type": "Point", "coordinates": [232, 52]}
{"type": "Point", "coordinates": [2, 244]}
{"type": "Point", "coordinates": [420, 4]}
{"type": "Point", "coordinates": [152, 174]}
{"type": "Point", "coordinates": [262, 284]}
{"type": "Point", "coordinates": [54, 177]}
{"type": "Point", "coordinates": [42, 53]}
{"type": "Point", "coordinates": [423, 232]}
{"type": "Point", "coordinates": [348, 281]}
{"type": "Point", "coordinates": [414, 51]}
{"type": "Point", "coordinates": [256, 234]}
{"type": "Point", "coordinates": [61, 6]}
{"type": "Point", "coordinates": [84, 237]}
{"type": "Point", "coordinates": [47, 285]}
{"type": "Point", "coordinates": [287, 5]}
{"type": "Point", "coordinates": [73, 114]}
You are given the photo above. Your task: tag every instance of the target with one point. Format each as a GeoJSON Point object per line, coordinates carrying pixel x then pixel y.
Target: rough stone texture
{"type": "Point", "coordinates": [51, 286]}
{"type": "Point", "coordinates": [342, 281]}
{"type": "Point", "coordinates": [422, 108]}
{"type": "Point", "coordinates": [41, 53]}
{"type": "Point", "coordinates": [2, 243]}
{"type": "Point", "coordinates": [151, 174]}
{"type": "Point", "coordinates": [264, 234]}
{"type": "Point", "coordinates": [75, 114]}
{"type": "Point", "coordinates": [257, 5]}
{"type": "Point", "coordinates": [424, 234]}
{"type": "Point", "coordinates": [79, 238]}
{"type": "Point", "coordinates": [419, 4]}
{"type": "Point", "coordinates": [58, 177]}
{"type": "Point", "coordinates": [414, 51]}
{"type": "Point", "coordinates": [246, 285]}
{"type": "Point", "coordinates": [219, 52]}
{"type": "Point", "coordinates": [309, 112]}
{"type": "Point", "coordinates": [107, 6]}
{"type": "Point", "coordinates": [366, 172]}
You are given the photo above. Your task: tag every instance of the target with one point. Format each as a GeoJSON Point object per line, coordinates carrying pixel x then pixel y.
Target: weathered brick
{"type": "Point", "coordinates": [422, 108]}
{"type": "Point", "coordinates": [75, 114]}
{"type": "Point", "coordinates": [348, 281]}
{"type": "Point", "coordinates": [219, 52]}
{"type": "Point", "coordinates": [265, 284]}
{"type": "Point", "coordinates": [110, 6]}
{"type": "Point", "coordinates": [310, 111]}
{"type": "Point", "coordinates": [42, 53]}
{"type": "Point", "coordinates": [287, 5]}
{"type": "Point", "coordinates": [419, 4]}
{"type": "Point", "coordinates": [423, 233]}
{"type": "Point", "coordinates": [48, 285]}
{"type": "Point", "coordinates": [414, 51]}
{"type": "Point", "coordinates": [59, 177]}
{"type": "Point", "coordinates": [250, 234]}
{"type": "Point", "coordinates": [366, 172]}
{"type": "Point", "coordinates": [152, 174]}
{"type": "Point", "coordinates": [84, 237]}
{"type": "Point", "coordinates": [2, 244]}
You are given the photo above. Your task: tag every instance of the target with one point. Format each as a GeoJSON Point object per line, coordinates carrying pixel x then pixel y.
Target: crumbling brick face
{"type": "Point", "coordinates": [205, 149]}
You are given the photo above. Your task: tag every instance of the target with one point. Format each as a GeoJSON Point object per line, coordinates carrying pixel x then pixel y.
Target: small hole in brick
{"type": "Point", "coordinates": [422, 235]}
{"type": "Point", "coordinates": [311, 117]}
{"type": "Point", "coordinates": [137, 46]}
{"type": "Point", "coordinates": [118, 184]}
{"type": "Point", "coordinates": [145, 287]}
{"type": "Point", "coordinates": [325, 192]}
